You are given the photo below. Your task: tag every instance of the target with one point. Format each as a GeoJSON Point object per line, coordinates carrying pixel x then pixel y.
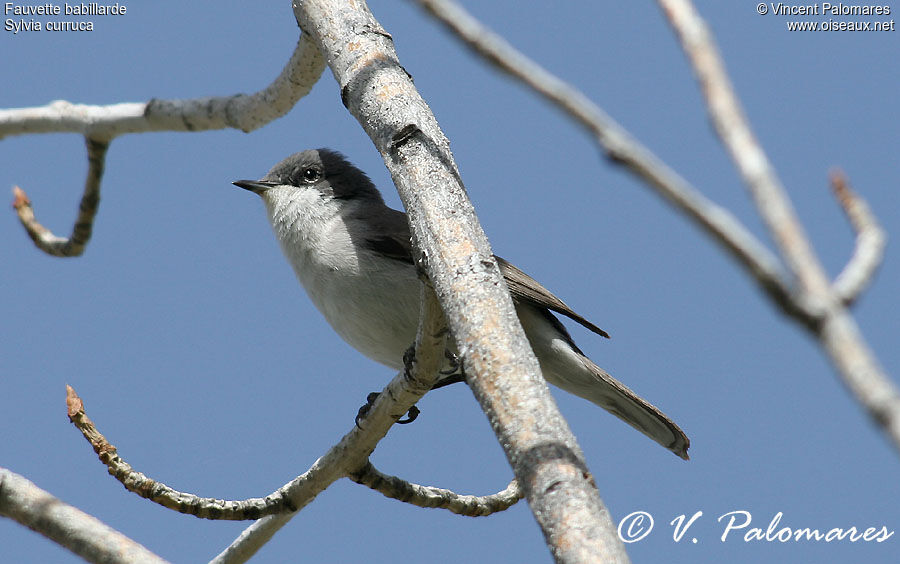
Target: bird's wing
{"type": "Point", "coordinates": [527, 289]}
{"type": "Point", "coordinates": [392, 239]}
{"type": "Point", "coordinates": [394, 242]}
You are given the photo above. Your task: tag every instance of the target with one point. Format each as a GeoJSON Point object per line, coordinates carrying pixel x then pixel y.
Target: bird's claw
{"type": "Point", "coordinates": [455, 363]}
{"type": "Point", "coordinates": [411, 415]}
{"type": "Point", "coordinates": [364, 410]}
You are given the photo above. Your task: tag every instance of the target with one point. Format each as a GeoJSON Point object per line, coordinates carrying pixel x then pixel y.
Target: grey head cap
{"type": "Point", "coordinates": [322, 169]}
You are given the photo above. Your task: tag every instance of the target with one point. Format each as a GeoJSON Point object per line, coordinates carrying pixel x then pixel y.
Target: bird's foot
{"type": "Point", "coordinates": [454, 362]}
{"type": "Point", "coordinates": [452, 375]}
{"type": "Point", "coordinates": [411, 415]}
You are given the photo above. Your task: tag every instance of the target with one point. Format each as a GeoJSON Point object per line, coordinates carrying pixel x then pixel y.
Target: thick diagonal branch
{"type": "Point", "coordinates": [501, 369]}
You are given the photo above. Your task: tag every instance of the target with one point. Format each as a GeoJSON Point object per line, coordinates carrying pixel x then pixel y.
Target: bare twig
{"type": "Point", "coordinates": [731, 124]}
{"type": "Point", "coordinates": [814, 301]}
{"type": "Point", "coordinates": [239, 111]}
{"type": "Point", "coordinates": [101, 124]}
{"type": "Point", "coordinates": [348, 457]}
{"type": "Point", "coordinates": [870, 242]}
{"type": "Point", "coordinates": [157, 492]}
{"type": "Point", "coordinates": [71, 528]}
{"type": "Point", "coordinates": [352, 452]}
{"type": "Point", "coordinates": [427, 365]}
{"type": "Point", "coordinates": [625, 150]}
{"type": "Point", "coordinates": [429, 496]}
{"type": "Point", "coordinates": [43, 238]}
{"type": "Point", "coordinates": [831, 324]}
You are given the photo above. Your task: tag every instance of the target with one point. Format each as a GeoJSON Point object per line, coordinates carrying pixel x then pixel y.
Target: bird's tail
{"type": "Point", "coordinates": [616, 398]}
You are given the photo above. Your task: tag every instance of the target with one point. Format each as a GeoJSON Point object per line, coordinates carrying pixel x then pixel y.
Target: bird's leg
{"type": "Point", "coordinates": [409, 357]}
{"type": "Point", "coordinates": [455, 373]}
{"type": "Point", "coordinates": [452, 375]}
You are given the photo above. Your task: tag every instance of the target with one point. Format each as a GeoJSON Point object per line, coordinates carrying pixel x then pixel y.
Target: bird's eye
{"type": "Point", "coordinates": [311, 175]}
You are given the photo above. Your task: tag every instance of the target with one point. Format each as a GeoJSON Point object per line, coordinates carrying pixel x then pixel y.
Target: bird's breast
{"type": "Point", "coordinates": [371, 302]}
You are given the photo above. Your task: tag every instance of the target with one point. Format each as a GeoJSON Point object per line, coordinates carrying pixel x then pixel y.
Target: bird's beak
{"type": "Point", "coordinates": [257, 186]}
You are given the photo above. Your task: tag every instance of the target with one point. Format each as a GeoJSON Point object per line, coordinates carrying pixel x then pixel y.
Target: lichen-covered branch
{"type": "Point", "coordinates": [239, 111]}
{"type": "Point", "coordinates": [101, 124]}
{"type": "Point", "coordinates": [345, 459]}
{"type": "Point", "coordinates": [352, 452]}
{"type": "Point", "coordinates": [157, 492]}
{"type": "Point", "coordinates": [285, 499]}
{"type": "Point", "coordinates": [71, 528]}
{"type": "Point", "coordinates": [75, 244]}
{"type": "Point", "coordinates": [432, 497]}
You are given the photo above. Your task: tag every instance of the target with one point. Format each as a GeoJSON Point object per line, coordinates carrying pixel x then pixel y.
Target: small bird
{"type": "Point", "coordinates": [353, 255]}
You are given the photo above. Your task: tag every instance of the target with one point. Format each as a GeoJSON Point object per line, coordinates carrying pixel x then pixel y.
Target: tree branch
{"type": "Point", "coordinates": [870, 242]}
{"type": "Point", "coordinates": [43, 238]}
{"type": "Point", "coordinates": [238, 111]}
{"type": "Point", "coordinates": [429, 496]}
{"type": "Point", "coordinates": [427, 362]}
{"type": "Point", "coordinates": [352, 452]}
{"type": "Point", "coordinates": [100, 124]}
{"type": "Point", "coordinates": [71, 528]}
{"type": "Point", "coordinates": [501, 369]}
{"type": "Point", "coordinates": [344, 459]}
{"type": "Point", "coordinates": [157, 492]}
{"type": "Point", "coordinates": [831, 323]}
{"type": "Point", "coordinates": [625, 150]}
{"type": "Point", "coordinates": [815, 302]}
{"type": "Point", "coordinates": [731, 124]}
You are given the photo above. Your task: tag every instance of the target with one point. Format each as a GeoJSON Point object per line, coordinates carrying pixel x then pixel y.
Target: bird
{"type": "Point", "coordinates": [353, 255]}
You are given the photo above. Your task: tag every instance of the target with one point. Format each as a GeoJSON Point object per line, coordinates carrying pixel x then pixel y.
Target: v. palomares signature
{"type": "Point", "coordinates": [736, 525]}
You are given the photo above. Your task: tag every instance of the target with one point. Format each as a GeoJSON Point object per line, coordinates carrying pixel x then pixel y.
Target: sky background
{"type": "Point", "coordinates": [201, 358]}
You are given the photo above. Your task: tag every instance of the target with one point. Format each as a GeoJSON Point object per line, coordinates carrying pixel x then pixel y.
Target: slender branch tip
{"type": "Point", "coordinates": [74, 405]}
{"type": "Point", "coordinates": [20, 199]}
{"type": "Point", "coordinates": [840, 185]}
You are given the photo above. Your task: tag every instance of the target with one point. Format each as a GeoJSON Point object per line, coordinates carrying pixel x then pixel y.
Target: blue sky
{"type": "Point", "coordinates": [200, 357]}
